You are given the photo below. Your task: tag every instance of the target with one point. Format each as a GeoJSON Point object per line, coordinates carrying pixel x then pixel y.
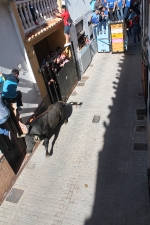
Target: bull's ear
{"type": "Point", "coordinates": [36, 138]}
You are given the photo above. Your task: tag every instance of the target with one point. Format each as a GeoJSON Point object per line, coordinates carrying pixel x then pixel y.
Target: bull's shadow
{"type": "Point", "coordinates": [68, 111]}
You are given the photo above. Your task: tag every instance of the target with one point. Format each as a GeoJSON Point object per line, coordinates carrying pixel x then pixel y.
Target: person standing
{"type": "Point", "coordinates": [127, 4]}
{"type": "Point", "coordinates": [120, 6]}
{"type": "Point", "coordinates": [67, 23]}
{"type": "Point", "coordinates": [111, 9]}
{"type": "Point", "coordinates": [9, 92]}
{"type": "Point", "coordinates": [102, 22]}
{"type": "Point", "coordinates": [136, 32]}
{"type": "Point", "coordinates": [95, 18]}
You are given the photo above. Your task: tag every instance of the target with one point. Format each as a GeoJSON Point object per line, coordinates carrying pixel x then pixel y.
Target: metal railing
{"type": "Point", "coordinates": [35, 12]}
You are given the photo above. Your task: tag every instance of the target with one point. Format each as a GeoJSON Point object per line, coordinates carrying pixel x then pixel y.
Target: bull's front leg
{"type": "Point", "coordinates": [46, 143]}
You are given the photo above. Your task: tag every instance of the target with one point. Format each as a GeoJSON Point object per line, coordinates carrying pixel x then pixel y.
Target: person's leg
{"type": "Point", "coordinates": [134, 38]}
{"type": "Point", "coordinates": [100, 27]}
{"type": "Point", "coordinates": [115, 15]}
{"type": "Point", "coordinates": [118, 14]}
{"type": "Point", "coordinates": [126, 12]}
{"type": "Point", "coordinates": [32, 10]}
{"type": "Point", "coordinates": [128, 32]}
{"type": "Point", "coordinates": [112, 15]}
{"type": "Point", "coordinates": [67, 35]}
{"type": "Point", "coordinates": [138, 35]}
{"type": "Point", "coordinates": [121, 13]}
{"type": "Point", "coordinates": [104, 24]}
{"type": "Point", "coordinates": [94, 31]}
{"type": "Point", "coordinates": [6, 100]}
{"type": "Point", "coordinates": [19, 99]}
{"type": "Point", "coordinates": [109, 14]}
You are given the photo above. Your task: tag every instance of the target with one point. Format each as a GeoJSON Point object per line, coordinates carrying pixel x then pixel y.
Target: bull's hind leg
{"type": "Point", "coordinates": [46, 143]}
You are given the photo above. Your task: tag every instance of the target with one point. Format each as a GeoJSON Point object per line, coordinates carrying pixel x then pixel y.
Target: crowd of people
{"type": "Point", "coordinates": [107, 11]}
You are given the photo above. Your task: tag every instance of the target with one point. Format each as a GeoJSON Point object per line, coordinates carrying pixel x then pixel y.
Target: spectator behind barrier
{"type": "Point", "coordinates": [9, 92]}
{"type": "Point", "coordinates": [102, 22]}
{"type": "Point", "coordinates": [4, 113]}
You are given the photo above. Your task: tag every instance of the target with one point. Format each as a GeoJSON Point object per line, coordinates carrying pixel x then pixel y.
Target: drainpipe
{"type": "Point", "coordinates": [22, 46]}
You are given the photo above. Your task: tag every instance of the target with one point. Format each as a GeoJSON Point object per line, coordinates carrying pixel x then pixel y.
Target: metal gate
{"type": "Point", "coordinates": [13, 150]}
{"type": "Point", "coordinates": [65, 80]}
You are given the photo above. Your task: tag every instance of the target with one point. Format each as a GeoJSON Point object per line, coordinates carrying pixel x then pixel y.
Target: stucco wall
{"type": "Point", "coordinates": [77, 8]}
{"type": "Point", "coordinates": [11, 54]}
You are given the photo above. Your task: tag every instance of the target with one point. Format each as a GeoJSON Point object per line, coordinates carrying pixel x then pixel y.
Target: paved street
{"type": "Point", "coordinates": [94, 177]}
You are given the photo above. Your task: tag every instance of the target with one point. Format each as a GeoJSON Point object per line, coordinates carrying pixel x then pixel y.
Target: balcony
{"type": "Point", "coordinates": [37, 15]}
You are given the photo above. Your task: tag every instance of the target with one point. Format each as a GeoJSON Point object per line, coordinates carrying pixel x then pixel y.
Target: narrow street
{"type": "Point", "coordinates": [94, 177]}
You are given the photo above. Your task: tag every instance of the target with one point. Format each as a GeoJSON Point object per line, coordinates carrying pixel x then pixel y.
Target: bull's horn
{"type": "Point", "coordinates": [21, 136]}
{"type": "Point", "coordinates": [36, 138]}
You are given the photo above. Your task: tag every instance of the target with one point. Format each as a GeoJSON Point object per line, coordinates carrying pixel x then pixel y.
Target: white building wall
{"type": "Point", "coordinates": [11, 55]}
{"type": "Point", "coordinates": [77, 8]}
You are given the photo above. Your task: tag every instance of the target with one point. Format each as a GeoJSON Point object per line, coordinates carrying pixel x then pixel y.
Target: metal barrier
{"type": "Point", "coordinates": [15, 148]}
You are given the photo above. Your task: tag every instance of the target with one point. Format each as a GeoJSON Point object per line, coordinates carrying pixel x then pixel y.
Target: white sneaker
{"type": "Point", "coordinates": [67, 44]}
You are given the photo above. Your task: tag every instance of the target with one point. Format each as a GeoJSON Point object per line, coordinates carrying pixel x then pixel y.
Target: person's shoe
{"type": "Point", "coordinates": [67, 44]}
{"type": "Point", "coordinates": [100, 32]}
{"type": "Point", "coordinates": [19, 108]}
{"type": "Point", "coordinates": [104, 31]}
{"type": "Point", "coordinates": [36, 23]}
{"type": "Point", "coordinates": [9, 135]}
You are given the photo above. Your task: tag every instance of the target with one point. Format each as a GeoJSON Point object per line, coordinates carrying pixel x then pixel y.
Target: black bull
{"type": "Point", "coordinates": [42, 126]}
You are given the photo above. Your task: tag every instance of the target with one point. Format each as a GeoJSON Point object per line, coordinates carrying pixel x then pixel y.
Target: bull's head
{"type": "Point", "coordinates": [30, 141]}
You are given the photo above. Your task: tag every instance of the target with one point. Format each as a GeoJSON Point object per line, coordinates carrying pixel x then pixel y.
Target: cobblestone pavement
{"type": "Point", "coordinates": [94, 176]}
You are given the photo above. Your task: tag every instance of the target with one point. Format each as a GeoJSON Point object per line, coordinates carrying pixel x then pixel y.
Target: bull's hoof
{"type": "Point", "coordinates": [66, 121]}
{"type": "Point", "coordinates": [51, 153]}
{"type": "Point", "coordinates": [47, 155]}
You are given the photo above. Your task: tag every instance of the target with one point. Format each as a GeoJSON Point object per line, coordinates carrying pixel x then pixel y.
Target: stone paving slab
{"type": "Point", "coordinates": [94, 176]}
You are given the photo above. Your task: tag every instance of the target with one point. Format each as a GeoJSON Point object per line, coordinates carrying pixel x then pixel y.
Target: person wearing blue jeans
{"type": "Point", "coordinates": [102, 22]}
{"type": "Point", "coordinates": [111, 9]}
{"type": "Point", "coordinates": [106, 14]}
{"type": "Point", "coordinates": [127, 7]}
{"type": "Point", "coordinates": [120, 6]}
{"type": "Point", "coordinates": [95, 22]}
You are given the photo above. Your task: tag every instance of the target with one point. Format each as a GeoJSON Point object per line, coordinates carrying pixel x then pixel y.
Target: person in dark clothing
{"type": "Point", "coordinates": [9, 92]}
{"type": "Point", "coordinates": [102, 22]}
{"type": "Point", "coordinates": [136, 32]}
{"type": "Point", "coordinates": [128, 27]}
{"type": "Point", "coordinates": [33, 13]}
{"type": "Point", "coordinates": [111, 9]}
